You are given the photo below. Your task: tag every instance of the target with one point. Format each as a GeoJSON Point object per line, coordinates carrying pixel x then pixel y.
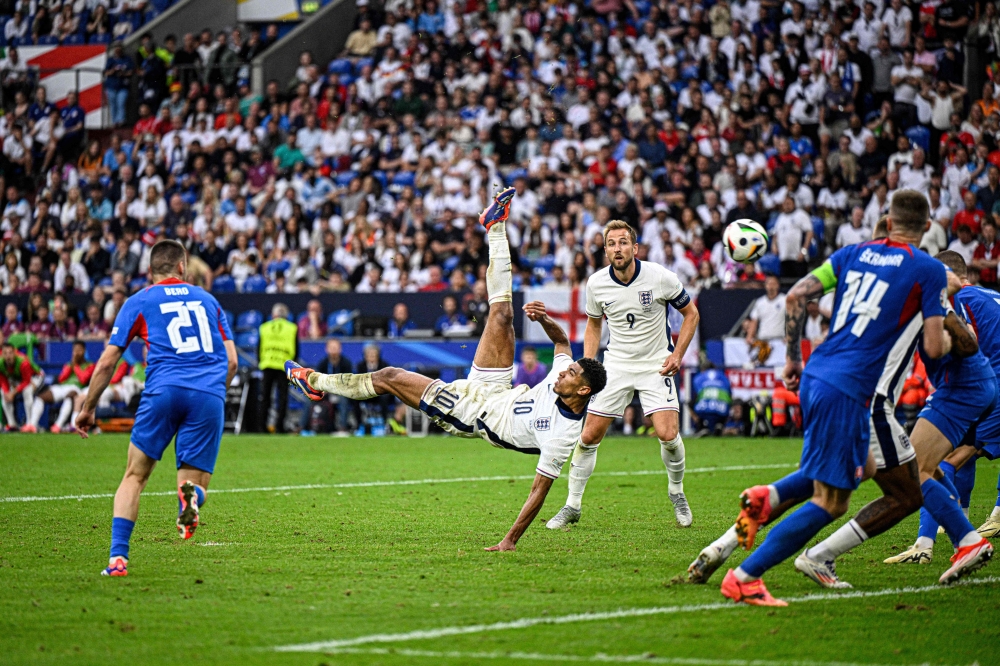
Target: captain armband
{"type": "Point", "coordinates": [681, 300]}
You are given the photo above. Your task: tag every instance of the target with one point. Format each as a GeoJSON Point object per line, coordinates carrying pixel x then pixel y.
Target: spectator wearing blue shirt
{"type": "Point", "coordinates": [73, 117]}
{"type": "Point", "coordinates": [400, 322]}
{"type": "Point", "coordinates": [431, 20]}
{"type": "Point", "coordinates": [713, 396]}
{"type": "Point", "coordinates": [98, 207]}
{"type": "Point", "coordinates": [40, 108]}
{"type": "Point", "coordinates": [451, 318]}
{"type": "Point", "coordinates": [118, 70]}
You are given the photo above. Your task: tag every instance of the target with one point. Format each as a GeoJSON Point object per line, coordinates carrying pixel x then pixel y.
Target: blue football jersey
{"type": "Point", "coordinates": [951, 370]}
{"type": "Point", "coordinates": [981, 308]}
{"type": "Point", "coordinates": [184, 329]}
{"type": "Point", "coordinates": [884, 292]}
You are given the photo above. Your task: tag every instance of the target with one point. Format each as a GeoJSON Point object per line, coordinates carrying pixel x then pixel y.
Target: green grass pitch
{"type": "Point", "coordinates": [348, 559]}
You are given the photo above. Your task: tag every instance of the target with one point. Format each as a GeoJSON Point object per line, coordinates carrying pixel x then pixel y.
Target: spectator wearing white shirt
{"type": "Point", "coordinates": [916, 176]}
{"type": "Point", "coordinates": [855, 232]}
{"type": "Point", "coordinates": [767, 318]}
{"type": "Point", "coordinates": [965, 244]}
{"type": "Point", "coordinates": [898, 20]}
{"type": "Point", "coordinates": [241, 220]}
{"type": "Point", "coordinates": [790, 239]}
{"type": "Point", "coordinates": [906, 81]}
{"type": "Point", "coordinates": [66, 267]}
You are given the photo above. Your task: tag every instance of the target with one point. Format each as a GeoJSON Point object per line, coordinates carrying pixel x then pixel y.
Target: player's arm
{"type": "Point", "coordinates": [592, 336]}
{"type": "Point", "coordinates": [689, 310]}
{"type": "Point", "coordinates": [233, 361]}
{"type": "Point", "coordinates": [536, 498]}
{"type": "Point", "coordinates": [808, 288]}
{"type": "Point", "coordinates": [64, 373]}
{"type": "Point", "coordinates": [27, 372]}
{"type": "Point", "coordinates": [535, 311]}
{"type": "Point", "coordinates": [103, 371]}
{"type": "Point", "coordinates": [936, 343]}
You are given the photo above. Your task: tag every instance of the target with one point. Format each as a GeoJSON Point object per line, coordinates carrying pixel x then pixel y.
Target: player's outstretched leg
{"type": "Point", "coordinates": [759, 505]}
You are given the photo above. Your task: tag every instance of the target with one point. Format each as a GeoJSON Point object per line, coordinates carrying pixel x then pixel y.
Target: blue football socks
{"type": "Point", "coordinates": [965, 479]}
{"type": "Point", "coordinates": [945, 510]}
{"type": "Point", "coordinates": [121, 534]}
{"type": "Point", "coordinates": [787, 538]}
{"type": "Point", "coordinates": [793, 486]}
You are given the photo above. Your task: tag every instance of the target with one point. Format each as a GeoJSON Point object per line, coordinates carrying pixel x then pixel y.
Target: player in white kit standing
{"type": "Point", "coordinates": [641, 357]}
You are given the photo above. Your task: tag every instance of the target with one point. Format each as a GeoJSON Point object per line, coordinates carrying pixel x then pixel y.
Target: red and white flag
{"type": "Point", "coordinates": [567, 307]}
{"type": "Point", "coordinates": [66, 68]}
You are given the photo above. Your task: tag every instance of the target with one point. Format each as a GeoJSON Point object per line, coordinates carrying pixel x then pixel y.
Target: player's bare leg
{"type": "Point", "coordinates": [137, 470]}
{"type": "Point", "coordinates": [192, 484]}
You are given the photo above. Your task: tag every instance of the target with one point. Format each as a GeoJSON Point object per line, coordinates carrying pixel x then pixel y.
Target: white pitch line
{"type": "Point", "coordinates": [378, 484]}
{"type": "Point", "coordinates": [600, 658]}
{"type": "Point", "coordinates": [523, 623]}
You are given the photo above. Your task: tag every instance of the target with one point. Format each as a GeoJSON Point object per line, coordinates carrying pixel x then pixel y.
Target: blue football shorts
{"type": "Point", "coordinates": [195, 417]}
{"type": "Point", "coordinates": [836, 434]}
{"type": "Point", "coordinates": [954, 410]}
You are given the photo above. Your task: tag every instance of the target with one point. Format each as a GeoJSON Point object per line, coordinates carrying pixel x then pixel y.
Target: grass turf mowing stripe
{"type": "Point", "coordinates": [523, 623]}
{"type": "Point", "coordinates": [403, 482]}
{"type": "Point", "coordinates": [600, 658]}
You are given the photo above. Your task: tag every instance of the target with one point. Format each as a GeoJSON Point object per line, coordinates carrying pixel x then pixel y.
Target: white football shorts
{"type": "Point", "coordinates": [656, 393]}
{"type": "Point", "coordinates": [457, 406]}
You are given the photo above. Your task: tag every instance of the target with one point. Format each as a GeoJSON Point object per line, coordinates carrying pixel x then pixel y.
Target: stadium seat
{"type": "Point", "coordinates": [340, 66]}
{"type": "Point", "coordinates": [380, 177]}
{"type": "Point", "coordinates": [515, 174]}
{"type": "Point", "coordinates": [770, 263]}
{"type": "Point", "coordinates": [450, 264]}
{"type": "Point", "coordinates": [137, 283]}
{"type": "Point", "coordinates": [255, 284]}
{"type": "Point", "coordinates": [73, 40]}
{"type": "Point", "coordinates": [344, 179]}
{"type": "Point", "coordinates": [545, 263]}
{"type": "Point", "coordinates": [48, 40]}
{"type": "Point", "coordinates": [402, 180]}
{"type": "Point", "coordinates": [105, 282]}
{"type": "Point", "coordinates": [340, 323]}
{"type": "Point", "coordinates": [248, 340]}
{"type": "Point", "coordinates": [276, 266]}
{"type": "Point", "coordinates": [249, 321]}
{"type": "Point", "coordinates": [101, 39]}
{"type": "Point", "coordinates": [224, 284]}
{"type": "Point", "coordinates": [361, 63]}
{"type": "Point", "coordinates": [919, 136]}
{"type": "Point", "coordinates": [872, 115]}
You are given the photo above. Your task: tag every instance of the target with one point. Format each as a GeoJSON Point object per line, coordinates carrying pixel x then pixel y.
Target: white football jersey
{"type": "Point", "coordinates": [636, 313]}
{"type": "Point", "coordinates": [536, 421]}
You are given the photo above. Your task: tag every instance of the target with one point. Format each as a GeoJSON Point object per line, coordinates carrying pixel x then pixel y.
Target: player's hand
{"type": "Point", "coordinates": [506, 544]}
{"type": "Point", "coordinates": [84, 421]}
{"type": "Point", "coordinates": [792, 374]}
{"type": "Point", "coordinates": [671, 366]}
{"type": "Point", "coordinates": [535, 310]}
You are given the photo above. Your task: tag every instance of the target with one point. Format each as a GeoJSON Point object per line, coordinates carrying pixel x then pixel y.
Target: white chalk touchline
{"type": "Point", "coordinates": [424, 634]}
{"type": "Point", "coordinates": [402, 482]}
{"type": "Point", "coordinates": [597, 658]}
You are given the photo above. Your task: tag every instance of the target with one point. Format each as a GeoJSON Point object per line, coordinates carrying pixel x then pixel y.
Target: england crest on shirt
{"type": "Point", "coordinates": [646, 300]}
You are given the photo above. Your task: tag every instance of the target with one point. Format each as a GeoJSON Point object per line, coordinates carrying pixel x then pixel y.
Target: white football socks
{"type": "Point", "coordinates": [36, 411]}
{"type": "Point", "coordinates": [726, 544]}
{"type": "Point", "coordinates": [498, 279]}
{"type": "Point", "coordinates": [355, 387]}
{"type": "Point", "coordinates": [672, 453]}
{"type": "Point", "coordinates": [581, 467]}
{"type": "Point", "coordinates": [848, 536]}
{"type": "Point", "coordinates": [64, 412]}
{"type": "Point", "coordinates": [924, 542]}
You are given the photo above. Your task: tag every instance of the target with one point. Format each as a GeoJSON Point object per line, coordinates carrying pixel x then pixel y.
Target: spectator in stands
{"type": "Point", "coordinates": [767, 318]}
{"type": "Point", "coordinates": [854, 232]}
{"type": "Point", "coordinates": [335, 363]}
{"type": "Point", "coordinates": [312, 325]}
{"type": "Point", "coordinates": [452, 319]}
{"type": "Point", "coordinates": [93, 326]}
{"type": "Point", "coordinates": [986, 256]}
{"type": "Point", "coordinates": [529, 371]}
{"type": "Point", "coordinates": [790, 238]}
{"type": "Point", "coordinates": [16, 28]}
{"type": "Point", "coordinates": [69, 267]}
{"type": "Point", "coordinates": [400, 322]}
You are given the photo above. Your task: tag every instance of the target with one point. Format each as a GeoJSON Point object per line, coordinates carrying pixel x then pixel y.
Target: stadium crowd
{"type": "Point", "coordinates": [367, 173]}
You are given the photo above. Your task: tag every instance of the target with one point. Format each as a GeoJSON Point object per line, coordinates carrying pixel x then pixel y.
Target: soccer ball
{"type": "Point", "coordinates": [745, 241]}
